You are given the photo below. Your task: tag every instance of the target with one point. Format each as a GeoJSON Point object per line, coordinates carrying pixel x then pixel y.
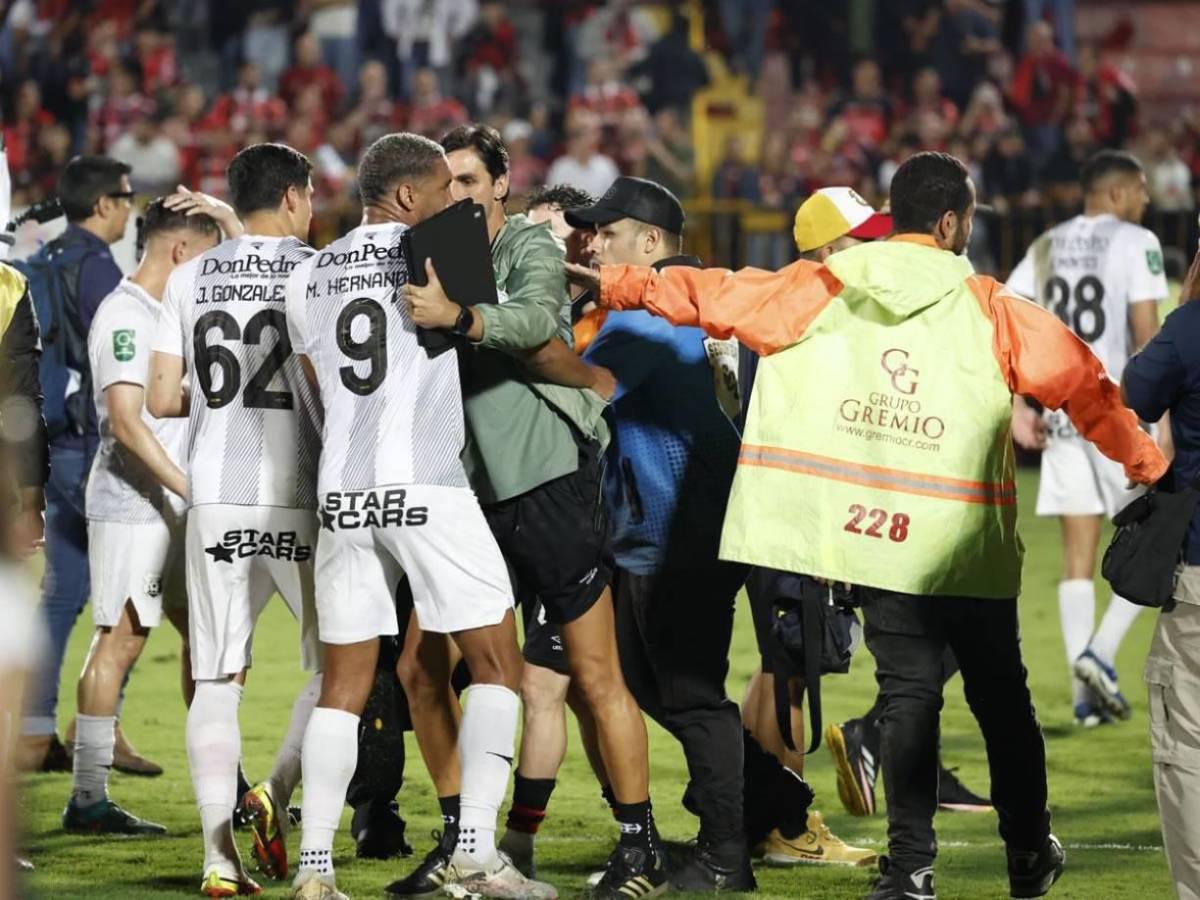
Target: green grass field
{"type": "Point", "coordinates": [1101, 789]}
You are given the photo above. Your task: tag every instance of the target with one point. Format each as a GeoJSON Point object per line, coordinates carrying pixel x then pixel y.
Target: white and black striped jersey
{"type": "Point", "coordinates": [392, 414]}
{"type": "Point", "coordinates": [1088, 271]}
{"type": "Point", "coordinates": [120, 488]}
{"type": "Point", "coordinates": [254, 428]}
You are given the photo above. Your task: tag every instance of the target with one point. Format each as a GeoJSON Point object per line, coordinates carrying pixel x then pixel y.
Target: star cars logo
{"type": "Point", "coordinates": [387, 508]}
{"type": "Point", "coordinates": [904, 377]}
{"type": "Point", "coordinates": [246, 542]}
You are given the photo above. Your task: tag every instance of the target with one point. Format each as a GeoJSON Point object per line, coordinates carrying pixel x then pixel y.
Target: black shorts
{"type": "Point", "coordinates": [543, 639]}
{"type": "Point", "coordinates": [555, 541]}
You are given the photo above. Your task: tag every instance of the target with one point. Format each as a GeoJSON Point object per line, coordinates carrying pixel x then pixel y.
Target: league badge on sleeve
{"type": "Point", "coordinates": [1154, 261]}
{"type": "Point", "coordinates": [124, 347]}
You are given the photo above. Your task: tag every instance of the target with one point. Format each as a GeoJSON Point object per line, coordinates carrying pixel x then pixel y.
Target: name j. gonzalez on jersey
{"type": "Point", "coordinates": [370, 509]}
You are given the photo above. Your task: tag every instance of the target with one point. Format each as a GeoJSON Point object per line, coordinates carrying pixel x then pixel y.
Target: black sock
{"type": "Point", "coordinates": [531, 796]}
{"type": "Point", "coordinates": [450, 811]}
{"type": "Point", "coordinates": [636, 821]}
{"type": "Point", "coordinates": [610, 798]}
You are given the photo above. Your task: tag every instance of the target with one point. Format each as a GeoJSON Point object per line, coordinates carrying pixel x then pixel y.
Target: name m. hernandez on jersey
{"type": "Point", "coordinates": [254, 426]}
{"type": "Point", "coordinates": [392, 415]}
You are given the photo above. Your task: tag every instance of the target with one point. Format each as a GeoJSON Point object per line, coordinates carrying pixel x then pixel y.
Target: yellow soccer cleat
{"type": "Point", "coordinates": [270, 847]}
{"type": "Point", "coordinates": [817, 846]}
{"type": "Point", "coordinates": [216, 885]}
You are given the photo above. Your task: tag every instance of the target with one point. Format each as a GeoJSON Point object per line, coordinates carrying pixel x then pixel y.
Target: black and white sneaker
{"type": "Point", "coordinates": [632, 873]}
{"type": "Point", "coordinates": [955, 796]}
{"type": "Point", "coordinates": [896, 884]}
{"type": "Point", "coordinates": [854, 745]}
{"type": "Point", "coordinates": [1033, 873]}
{"type": "Point", "coordinates": [427, 879]}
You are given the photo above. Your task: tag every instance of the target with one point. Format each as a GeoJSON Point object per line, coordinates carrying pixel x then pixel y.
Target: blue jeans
{"type": "Point", "coordinates": [66, 584]}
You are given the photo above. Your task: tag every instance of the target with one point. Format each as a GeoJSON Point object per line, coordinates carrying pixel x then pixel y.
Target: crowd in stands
{"type": "Point", "coordinates": [582, 90]}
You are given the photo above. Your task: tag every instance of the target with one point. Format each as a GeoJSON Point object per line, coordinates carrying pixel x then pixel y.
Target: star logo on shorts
{"type": "Point", "coordinates": [220, 553]}
{"type": "Point", "coordinates": [327, 519]}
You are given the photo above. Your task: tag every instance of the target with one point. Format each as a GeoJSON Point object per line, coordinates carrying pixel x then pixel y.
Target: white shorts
{"type": "Point", "coordinates": [237, 558]}
{"type": "Point", "coordinates": [1076, 478]}
{"type": "Point", "coordinates": [435, 535]}
{"type": "Point", "coordinates": [139, 562]}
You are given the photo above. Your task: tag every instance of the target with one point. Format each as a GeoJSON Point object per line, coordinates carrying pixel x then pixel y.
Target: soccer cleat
{"type": "Point", "coordinates": [316, 886]}
{"type": "Point", "coordinates": [896, 884]}
{"type": "Point", "coordinates": [955, 796]}
{"type": "Point", "coordinates": [501, 880]}
{"type": "Point", "coordinates": [216, 885]}
{"type": "Point", "coordinates": [270, 846]}
{"type": "Point", "coordinates": [854, 745]}
{"type": "Point", "coordinates": [105, 817]}
{"type": "Point", "coordinates": [426, 880]}
{"type": "Point", "coordinates": [518, 847]}
{"type": "Point", "coordinates": [379, 833]}
{"type": "Point", "coordinates": [712, 869]}
{"type": "Point", "coordinates": [632, 873]}
{"type": "Point", "coordinates": [1032, 874]}
{"type": "Point", "coordinates": [1102, 679]}
{"type": "Point", "coordinates": [818, 845]}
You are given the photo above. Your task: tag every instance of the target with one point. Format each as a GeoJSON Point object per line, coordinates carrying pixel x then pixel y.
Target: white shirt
{"type": "Point", "coordinates": [1088, 271]}
{"type": "Point", "coordinates": [392, 415]}
{"type": "Point", "coordinates": [254, 428]}
{"type": "Point", "coordinates": [120, 487]}
{"type": "Point", "coordinates": [595, 176]}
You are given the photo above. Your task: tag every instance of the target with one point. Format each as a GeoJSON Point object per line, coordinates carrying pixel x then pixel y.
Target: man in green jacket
{"type": "Point", "coordinates": [535, 440]}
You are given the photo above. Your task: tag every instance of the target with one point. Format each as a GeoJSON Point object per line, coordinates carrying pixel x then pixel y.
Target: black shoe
{"type": "Point", "coordinates": [955, 796]}
{"type": "Point", "coordinates": [855, 748]}
{"type": "Point", "coordinates": [57, 758]}
{"type": "Point", "coordinates": [426, 880]}
{"type": "Point", "coordinates": [711, 869]}
{"type": "Point", "coordinates": [896, 884]}
{"type": "Point", "coordinates": [105, 817]}
{"type": "Point", "coordinates": [1033, 873]}
{"type": "Point", "coordinates": [380, 834]}
{"type": "Point", "coordinates": [633, 873]}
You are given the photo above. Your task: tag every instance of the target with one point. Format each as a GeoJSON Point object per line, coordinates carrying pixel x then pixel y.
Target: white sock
{"type": "Point", "coordinates": [214, 745]}
{"type": "Point", "coordinates": [1117, 621]}
{"type": "Point", "coordinates": [486, 741]}
{"type": "Point", "coordinates": [286, 774]}
{"type": "Point", "coordinates": [94, 741]}
{"type": "Point", "coordinates": [1077, 610]}
{"type": "Point", "coordinates": [330, 757]}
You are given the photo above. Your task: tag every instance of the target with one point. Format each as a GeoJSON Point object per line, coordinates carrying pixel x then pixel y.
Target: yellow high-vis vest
{"type": "Point", "coordinates": [877, 448]}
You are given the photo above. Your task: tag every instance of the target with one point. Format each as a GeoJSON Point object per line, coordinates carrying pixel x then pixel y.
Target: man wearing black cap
{"type": "Point", "coordinates": [670, 467]}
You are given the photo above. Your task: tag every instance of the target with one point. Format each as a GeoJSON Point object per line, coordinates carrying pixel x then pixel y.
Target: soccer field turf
{"type": "Point", "coordinates": [1101, 789]}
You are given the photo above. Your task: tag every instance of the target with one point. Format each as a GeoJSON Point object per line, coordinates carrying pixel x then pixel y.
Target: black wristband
{"type": "Point", "coordinates": [462, 325]}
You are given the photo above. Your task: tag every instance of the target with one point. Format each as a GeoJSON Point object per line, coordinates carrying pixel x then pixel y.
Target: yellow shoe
{"type": "Point", "coordinates": [818, 845]}
{"type": "Point", "coordinates": [270, 848]}
{"type": "Point", "coordinates": [215, 885]}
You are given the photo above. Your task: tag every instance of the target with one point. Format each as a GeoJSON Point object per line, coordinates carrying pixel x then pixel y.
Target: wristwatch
{"type": "Point", "coordinates": [462, 325]}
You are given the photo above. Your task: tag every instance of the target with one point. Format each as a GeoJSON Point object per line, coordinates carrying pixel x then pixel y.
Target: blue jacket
{"type": "Point", "coordinates": [1164, 376]}
{"type": "Point", "coordinates": [673, 453]}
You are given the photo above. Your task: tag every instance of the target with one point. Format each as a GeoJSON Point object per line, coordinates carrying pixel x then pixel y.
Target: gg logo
{"type": "Point", "coordinates": [904, 377]}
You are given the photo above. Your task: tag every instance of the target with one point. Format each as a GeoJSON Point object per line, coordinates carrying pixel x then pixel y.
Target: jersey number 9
{"type": "Point", "coordinates": [372, 348]}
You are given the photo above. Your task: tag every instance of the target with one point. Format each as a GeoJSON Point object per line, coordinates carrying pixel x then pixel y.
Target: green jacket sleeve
{"type": "Point", "coordinates": [536, 284]}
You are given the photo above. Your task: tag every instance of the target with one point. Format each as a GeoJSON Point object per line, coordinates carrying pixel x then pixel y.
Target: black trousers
{"type": "Point", "coordinates": [908, 637]}
{"type": "Point", "coordinates": [673, 633]}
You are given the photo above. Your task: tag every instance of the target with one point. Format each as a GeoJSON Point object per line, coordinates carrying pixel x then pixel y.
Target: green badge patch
{"type": "Point", "coordinates": [124, 347]}
{"type": "Point", "coordinates": [1154, 261]}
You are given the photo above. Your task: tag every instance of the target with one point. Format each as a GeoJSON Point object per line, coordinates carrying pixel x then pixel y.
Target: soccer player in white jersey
{"type": "Point", "coordinates": [135, 506]}
{"type": "Point", "coordinates": [395, 503]}
{"type": "Point", "coordinates": [253, 440]}
{"type": "Point", "coordinates": [1102, 274]}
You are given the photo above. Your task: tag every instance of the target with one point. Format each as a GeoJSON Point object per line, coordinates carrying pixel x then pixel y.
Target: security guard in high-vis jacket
{"type": "Point", "coordinates": [878, 452]}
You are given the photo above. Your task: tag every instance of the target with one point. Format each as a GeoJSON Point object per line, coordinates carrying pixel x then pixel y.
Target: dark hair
{"type": "Point", "coordinates": [85, 180]}
{"type": "Point", "coordinates": [261, 174]}
{"type": "Point", "coordinates": [1108, 162]}
{"type": "Point", "coordinates": [485, 141]}
{"type": "Point", "coordinates": [924, 188]}
{"type": "Point", "coordinates": [393, 158]}
{"type": "Point", "coordinates": [564, 196]}
{"type": "Point", "coordinates": [157, 219]}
